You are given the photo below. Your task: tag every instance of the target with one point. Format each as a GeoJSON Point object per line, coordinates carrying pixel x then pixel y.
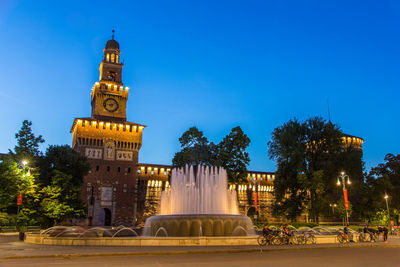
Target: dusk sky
{"type": "Point", "coordinates": [210, 64]}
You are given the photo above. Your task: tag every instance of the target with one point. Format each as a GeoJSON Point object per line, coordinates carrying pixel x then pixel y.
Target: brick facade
{"type": "Point", "coordinates": [111, 145]}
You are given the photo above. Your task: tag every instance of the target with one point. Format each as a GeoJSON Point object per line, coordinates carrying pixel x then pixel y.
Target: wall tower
{"type": "Point", "coordinates": [111, 144]}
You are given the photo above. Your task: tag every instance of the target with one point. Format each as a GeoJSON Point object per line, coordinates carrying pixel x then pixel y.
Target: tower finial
{"type": "Point", "coordinates": [113, 31]}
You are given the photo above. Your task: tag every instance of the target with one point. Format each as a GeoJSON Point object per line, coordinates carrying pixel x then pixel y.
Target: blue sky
{"type": "Point", "coordinates": [212, 64]}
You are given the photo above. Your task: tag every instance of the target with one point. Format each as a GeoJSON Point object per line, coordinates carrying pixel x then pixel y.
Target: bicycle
{"type": "Point", "coordinates": [344, 238]}
{"type": "Point", "coordinates": [309, 238]}
{"type": "Point", "coordinates": [265, 239]}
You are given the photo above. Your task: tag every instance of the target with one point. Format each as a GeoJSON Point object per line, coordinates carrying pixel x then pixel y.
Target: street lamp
{"type": "Point", "coordinates": [387, 206]}
{"type": "Point", "coordinates": [24, 163]}
{"type": "Point", "coordinates": [343, 177]}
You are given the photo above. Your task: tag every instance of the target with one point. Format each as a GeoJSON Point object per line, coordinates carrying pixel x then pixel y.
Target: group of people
{"type": "Point", "coordinates": [284, 229]}
{"type": "Point", "coordinates": [370, 231]}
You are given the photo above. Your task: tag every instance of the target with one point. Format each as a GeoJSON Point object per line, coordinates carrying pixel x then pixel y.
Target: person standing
{"type": "Point", "coordinates": [385, 233]}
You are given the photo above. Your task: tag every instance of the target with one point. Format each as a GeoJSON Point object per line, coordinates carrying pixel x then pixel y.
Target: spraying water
{"type": "Point", "coordinates": [199, 190]}
{"type": "Point", "coordinates": [199, 204]}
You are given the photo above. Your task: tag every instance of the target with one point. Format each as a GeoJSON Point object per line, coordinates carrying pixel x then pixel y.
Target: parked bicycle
{"type": "Point", "coordinates": [344, 237]}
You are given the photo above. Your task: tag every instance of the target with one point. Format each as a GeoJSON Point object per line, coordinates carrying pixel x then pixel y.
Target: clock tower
{"type": "Point", "coordinates": [111, 144]}
{"type": "Point", "coordinates": [109, 96]}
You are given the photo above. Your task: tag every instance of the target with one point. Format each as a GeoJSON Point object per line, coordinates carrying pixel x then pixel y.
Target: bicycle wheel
{"type": "Point", "coordinates": [340, 238]}
{"type": "Point", "coordinates": [298, 239]}
{"type": "Point", "coordinates": [276, 241]}
{"type": "Point", "coordinates": [361, 238]}
{"type": "Point", "coordinates": [262, 241]}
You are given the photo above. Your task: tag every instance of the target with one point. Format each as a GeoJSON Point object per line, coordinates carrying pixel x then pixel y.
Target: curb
{"type": "Point", "coordinates": [187, 252]}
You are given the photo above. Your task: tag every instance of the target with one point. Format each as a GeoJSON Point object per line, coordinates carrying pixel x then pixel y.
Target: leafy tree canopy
{"type": "Point", "coordinates": [230, 153]}
{"type": "Point", "coordinates": [310, 155]}
{"type": "Point", "coordinates": [196, 149]}
{"type": "Point", "coordinates": [63, 159]}
{"type": "Point", "coordinates": [27, 147]}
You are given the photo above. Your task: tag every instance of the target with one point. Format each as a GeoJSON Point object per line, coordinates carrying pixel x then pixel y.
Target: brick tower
{"type": "Point", "coordinates": [111, 144]}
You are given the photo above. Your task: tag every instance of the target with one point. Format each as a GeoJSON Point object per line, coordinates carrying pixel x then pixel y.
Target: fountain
{"type": "Point", "coordinates": [199, 204]}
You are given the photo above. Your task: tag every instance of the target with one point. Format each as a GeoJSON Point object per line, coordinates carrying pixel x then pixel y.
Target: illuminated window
{"type": "Point", "coordinates": [108, 57]}
{"type": "Point", "coordinates": [117, 59]}
{"type": "Point", "coordinates": [112, 57]}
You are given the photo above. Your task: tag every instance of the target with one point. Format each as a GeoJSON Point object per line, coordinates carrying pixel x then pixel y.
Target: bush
{"type": "Point", "coordinates": [4, 219]}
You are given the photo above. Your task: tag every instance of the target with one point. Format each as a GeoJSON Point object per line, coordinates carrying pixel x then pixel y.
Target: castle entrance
{"type": "Point", "coordinates": [107, 217]}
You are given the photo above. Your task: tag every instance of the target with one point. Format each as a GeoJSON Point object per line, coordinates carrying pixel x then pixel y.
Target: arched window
{"type": "Point", "coordinates": [112, 58]}
{"type": "Point", "coordinates": [108, 57]}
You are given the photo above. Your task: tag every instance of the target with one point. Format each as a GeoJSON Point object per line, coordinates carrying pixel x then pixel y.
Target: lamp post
{"type": "Point", "coordinates": [255, 198]}
{"type": "Point", "coordinates": [387, 206]}
{"type": "Point", "coordinates": [343, 176]}
{"type": "Point", "coordinates": [24, 166]}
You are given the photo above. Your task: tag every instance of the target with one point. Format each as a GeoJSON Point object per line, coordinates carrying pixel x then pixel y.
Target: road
{"type": "Point", "coordinates": [348, 256]}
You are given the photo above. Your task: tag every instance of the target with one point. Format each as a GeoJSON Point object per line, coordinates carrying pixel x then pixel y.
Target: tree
{"type": "Point", "coordinates": [288, 148]}
{"type": "Point", "coordinates": [27, 147]}
{"type": "Point", "coordinates": [232, 155]}
{"type": "Point", "coordinates": [310, 155]}
{"type": "Point", "coordinates": [61, 178]}
{"type": "Point", "coordinates": [387, 177]}
{"type": "Point", "coordinates": [66, 160]}
{"type": "Point", "coordinates": [324, 147]}
{"type": "Point", "coordinates": [382, 179]}
{"type": "Point", "coordinates": [195, 149]}
{"type": "Point", "coordinates": [14, 179]}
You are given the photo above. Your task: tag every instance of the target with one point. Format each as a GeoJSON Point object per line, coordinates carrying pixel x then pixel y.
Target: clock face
{"type": "Point", "coordinates": [110, 104]}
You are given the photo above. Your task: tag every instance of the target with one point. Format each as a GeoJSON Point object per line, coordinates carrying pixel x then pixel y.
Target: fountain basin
{"type": "Point", "coordinates": [198, 225]}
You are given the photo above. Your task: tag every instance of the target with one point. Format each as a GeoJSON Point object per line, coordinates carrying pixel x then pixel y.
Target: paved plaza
{"type": "Point", "coordinates": [16, 253]}
{"type": "Point", "coordinates": [366, 256]}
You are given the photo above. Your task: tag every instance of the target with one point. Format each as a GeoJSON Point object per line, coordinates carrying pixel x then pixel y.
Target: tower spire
{"type": "Point", "coordinates": [112, 36]}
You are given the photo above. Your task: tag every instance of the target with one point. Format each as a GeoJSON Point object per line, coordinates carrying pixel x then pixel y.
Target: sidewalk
{"type": "Point", "coordinates": [11, 248]}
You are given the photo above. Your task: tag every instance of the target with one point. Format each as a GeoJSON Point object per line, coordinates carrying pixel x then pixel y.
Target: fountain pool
{"type": "Point", "coordinates": [198, 204]}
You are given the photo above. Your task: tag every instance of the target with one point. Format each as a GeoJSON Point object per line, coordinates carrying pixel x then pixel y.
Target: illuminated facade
{"type": "Point", "coordinates": [153, 179]}
{"type": "Point", "coordinates": [119, 190]}
{"type": "Point", "coordinates": [111, 144]}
